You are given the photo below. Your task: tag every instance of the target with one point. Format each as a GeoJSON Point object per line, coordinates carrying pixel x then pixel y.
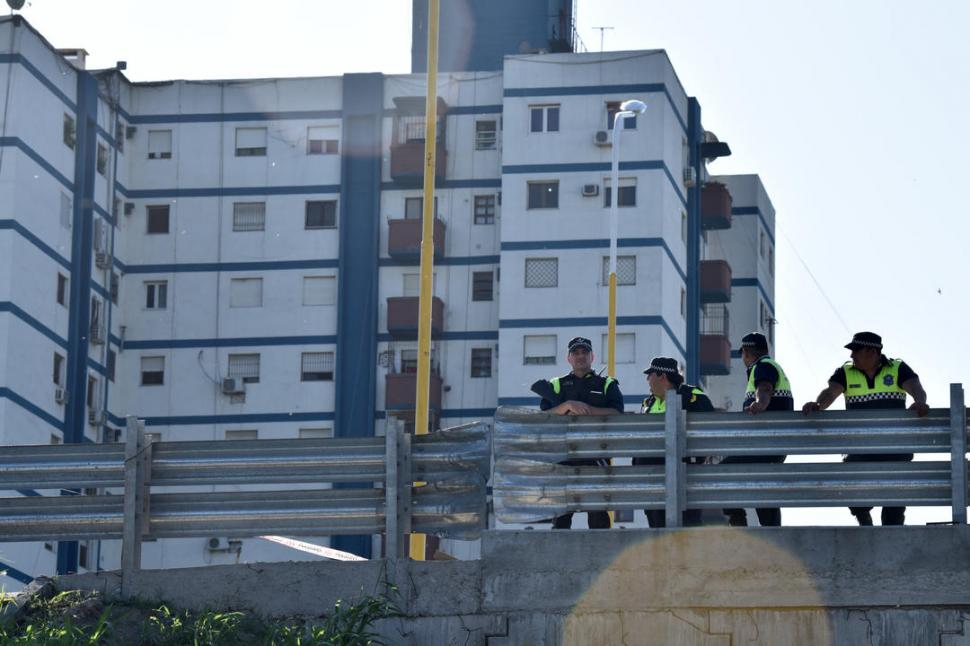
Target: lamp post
{"type": "Point", "coordinates": [627, 109]}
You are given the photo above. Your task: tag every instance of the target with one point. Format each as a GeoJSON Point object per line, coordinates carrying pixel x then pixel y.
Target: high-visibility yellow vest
{"type": "Point", "coordinates": [782, 386]}
{"type": "Point", "coordinates": [658, 406]}
{"type": "Point", "coordinates": [885, 386]}
{"type": "Point", "coordinates": [555, 384]}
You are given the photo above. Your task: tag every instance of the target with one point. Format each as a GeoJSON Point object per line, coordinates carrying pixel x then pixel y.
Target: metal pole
{"type": "Point", "coordinates": [405, 492]}
{"type": "Point", "coordinates": [675, 473]}
{"type": "Point", "coordinates": [391, 521]}
{"type": "Point", "coordinates": [427, 247]}
{"type": "Point", "coordinates": [131, 528]}
{"type": "Point", "coordinates": [958, 453]}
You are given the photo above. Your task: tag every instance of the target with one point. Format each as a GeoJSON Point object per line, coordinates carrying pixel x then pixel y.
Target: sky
{"type": "Point", "coordinates": [852, 113]}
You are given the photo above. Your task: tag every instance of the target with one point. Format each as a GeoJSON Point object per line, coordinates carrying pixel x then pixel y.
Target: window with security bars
{"type": "Point", "coordinates": [316, 366]}
{"type": "Point", "coordinates": [543, 195]}
{"type": "Point", "coordinates": [541, 272]}
{"type": "Point", "coordinates": [481, 362]}
{"type": "Point", "coordinates": [159, 144]}
{"type": "Point", "coordinates": [249, 216]}
{"type": "Point", "coordinates": [250, 142]}
{"type": "Point", "coordinates": [626, 270]}
{"type": "Point", "coordinates": [628, 192]}
{"type": "Point", "coordinates": [626, 349]}
{"type": "Point", "coordinates": [245, 367]}
{"type": "Point", "coordinates": [321, 214]}
{"type": "Point", "coordinates": [152, 371]}
{"type": "Point", "coordinates": [539, 349]}
{"type": "Point", "coordinates": [322, 140]}
{"type": "Point", "coordinates": [486, 134]}
{"type": "Point", "coordinates": [482, 285]}
{"type": "Point", "coordinates": [484, 209]}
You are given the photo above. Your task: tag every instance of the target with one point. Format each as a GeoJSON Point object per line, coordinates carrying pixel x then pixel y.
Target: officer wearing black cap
{"type": "Point", "coordinates": [873, 381]}
{"type": "Point", "coordinates": [581, 392]}
{"type": "Point", "coordinates": [662, 377]}
{"type": "Point", "coordinates": [768, 389]}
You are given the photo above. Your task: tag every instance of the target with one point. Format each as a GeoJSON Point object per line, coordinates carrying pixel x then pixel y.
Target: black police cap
{"type": "Point", "coordinates": [865, 340]}
{"type": "Point", "coordinates": [754, 341]}
{"type": "Point", "coordinates": [580, 342]}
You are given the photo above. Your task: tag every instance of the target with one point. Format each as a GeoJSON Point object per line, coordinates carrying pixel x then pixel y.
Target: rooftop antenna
{"type": "Point", "coordinates": [602, 30]}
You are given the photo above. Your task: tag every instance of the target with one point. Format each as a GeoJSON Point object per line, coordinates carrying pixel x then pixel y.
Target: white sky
{"type": "Point", "coordinates": [851, 112]}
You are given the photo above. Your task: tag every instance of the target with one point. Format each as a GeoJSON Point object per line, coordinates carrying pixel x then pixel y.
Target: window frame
{"type": "Point", "coordinates": [323, 204]}
{"type": "Point", "coordinates": [613, 107]}
{"type": "Point", "coordinates": [241, 356]}
{"type": "Point", "coordinates": [480, 362]}
{"type": "Point", "coordinates": [144, 379]}
{"type": "Point", "coordinates": [624, 200]}
{"type": "Point", "coordinates": [101, 160]}
{"type": "Point", "coordinates": [69, 134]}
{"type": "Point", "coordinates": [483, 212]}
{"type": "Point", "coordinates": [325, 147]}
{"type": "Point", "coordinates": [156, 295]}
{"type": "Point", "coordinates": [541, 202]}
{"type": "Point", "coordinates": [539, 360]}
{"type": "Point", "coordinates": [482, 139]}
{"type": "Point", "coordinates": [479, 280]}
{"type": "Point", "coordinates": [238, 283]}
{"type": "Point", "coordinates": [238, 215]}
{"type": "Point", "coordinates": [160, 154]}
{"type": "Point", "coordinates": [154, 212]}
{"type": "Point", "coordinates": [625, 282]}
{"type": "Point", "coordinates": [525, 272]}
{"type": "Point", "coordinates": [549, 117]}
{"type": "Point", "coordinates": [322, 375]}
{"type": "Point", "coordinates": [251, 151]}
{"type": "Point", "coordinates": [331, 280]}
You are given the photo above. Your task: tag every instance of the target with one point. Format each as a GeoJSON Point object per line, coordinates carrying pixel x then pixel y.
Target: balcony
{"type": "Point", "coordinates": [715, 206]}
{"type": "Point", "coordinates": [404, 239]}
{"type": "Point", "coordinates": [399, 393]}
{"type": "Point", "coordinates": [402, 316]}
{"type": "Point", "coordinates": [715, 343]}
{"type": "Point", "coordinates": [407, 144]}
{"type": "Point", "coordinates": [715, 281]}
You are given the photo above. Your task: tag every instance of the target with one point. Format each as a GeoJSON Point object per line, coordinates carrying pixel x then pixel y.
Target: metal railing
{"type": "Point", "coordinates": [453, 464]}
{"type": "Point", "coordinates": [529, 485]}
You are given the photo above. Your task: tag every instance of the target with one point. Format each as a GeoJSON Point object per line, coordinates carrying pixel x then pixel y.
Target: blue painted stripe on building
{"type": "Point", "coordinates": [27, 65]}
{"type": "Point", "coordinates": [261, 265]}
{"type": "Point", "coordinates": [754, 282]}
{"type": "Point", "coordinates": [11, 308]}
{"type": "Point", "coordinates": [597, 167]}
{"type": "Point", "coordinates": [17, 142]}
{"type": "Point", "coordinates": [754, 210]}
{"type": "Point", "coordinates": [230, 342]}
{"type": "Point", "coordinates": [104, 214]}
{"type": "Point", "coordinates": [30, 407]}
{"type": "Point", "coordinates": [225, 191]}
{"type": "Point", "coordinates": [467, 335]}
{"type": "Point", "coordinates": [13, 225]}
{"type": "Point", "coordinates": [448, 261]}
{"type": "Point", "coordinates": [241, 418]}
{"type": "Point", "coordinates": [100, 291]}
{"type": "Point", "coordinates": [448, 183]}
{"type": "Point", "coordinates": [594, 243]}
{"type": "Point", "coordinates": [15, 574]}
{"type": "Point", "coordinates": [474, 109]}
{"type": "Point", "coordinates": [577, 90]}
{"type": "Point", "coordinates": [218, 117]}
{"type": "Point", "coordinates": [593, 321]}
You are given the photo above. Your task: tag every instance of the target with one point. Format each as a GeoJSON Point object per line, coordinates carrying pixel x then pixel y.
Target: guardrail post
{"type": "Point", "coordinates": [392, 536]}
{"type": "Point", "coordinates": [958, 453]}
{"type": "Point", "coordinates": [405, 489]}
{"type": "Point", "coordinates": [675, 471]}
{"type": "Point", "coordinates": [133, 504]}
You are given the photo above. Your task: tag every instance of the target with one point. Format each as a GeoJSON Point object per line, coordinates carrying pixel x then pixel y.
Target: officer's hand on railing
{"type": "Point", "coordinates": [922, 409]}
{"type": "Point", "coordinates": [577, 408]}
{"type": "Point", "coordinates": [811, 407]}
{"type": "Point", "coordinates": [755, 408]}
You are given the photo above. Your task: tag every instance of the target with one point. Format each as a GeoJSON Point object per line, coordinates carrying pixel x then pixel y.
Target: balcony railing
{"type": "Point", "coordinates": [715, 343]}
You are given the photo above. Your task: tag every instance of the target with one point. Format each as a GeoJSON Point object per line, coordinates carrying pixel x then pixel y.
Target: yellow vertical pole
{"type": "Point", "coordinates": [421, 400]}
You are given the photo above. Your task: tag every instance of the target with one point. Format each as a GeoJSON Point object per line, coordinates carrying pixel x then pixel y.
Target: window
{"type": "Point", "coordinates": [409, 362]}
{"type": "Point", "coordinates": [628, 192]}
{"type": "Point", "coordinates": [321, 140]}
{"type": "Point", "coordinates": [482, 282]}
{"type": "Point", "coordinates": [92, 398]}
{"type": "Point", "coordinates": [762, 246]}
{"type": "Point", "coordinates": [83, 556]}
{"type": "Point", "coordinates": [414, 208]}
{"type": "Point", "coordinates": [626, 351]}
{"type": "Point", "coordinates": [484, 209]}
{"type": "Point", "coordinates": [316, 366]}
{"type": "Point", "coordinates": [626, 270]}
{"type": "Point", "coordinates": [70, 131]}
{"type": "Point", "coordinates": [114, 281]}
{"type": "Point", "coordinates": [158, 218]}
{"type": "Point", "coordinates": [244, 366]}
{"type": "Point", "coordinates": [539, 349]}
{"type": "Point", "coordinates": [771, 260]}
{"type": "Point", "coordinates": [62, 289]}
{"type": "Point", "coordinates": [544, 118]}
{"type": "Point", "coordinates": [250, 142]}
{"type": "Point", "coordinates": [481, 362]}
{"type": "Point", "coordinates": [67, 210]}
{"type": "Point", "coordinates": [58, 369]}
{"type": "Point", "coordinates": [156, 294]}
{"type": "Point", "coordinates": [102, 161]}
{"type": "Point", "coordinates": [247, 434]}
{"type": "Point", "coordinates": [152, 371]}
{"type": "Point", "coordinates": [96, 330]}
{"type": "Point", "coordinates": [683, 226]}
{"type": "Point", "coordinates": [246, 292]}
{"type": "Point", "coordinates": [112, 363]}
{"type": "Point", "coordinates": [120, 136]}
{"type": "Point", "coordinates": [316, 433]}
{"type": "Point", "coordinates": [321, 214]}
{"type": "Point", "coordinates": [485, 134]}
{"type": "Point", "coordinates": [683, 302]}
{"type": "Point", "coordinates": [249, 216]}
{"type": "Point", "coordinates": [541, 272]}
{"type": "Point", "coordinates": [319, 290]}
{"type": "Point", "coordinates": [543, 195]}
{"type": "Point", "coordinates": [159, 144]}
{"type": "Point", "coordinates": [612, 107]}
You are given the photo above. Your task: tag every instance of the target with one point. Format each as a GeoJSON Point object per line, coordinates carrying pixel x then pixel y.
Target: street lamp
{"type": "Point", "coordinates": [627, 109]}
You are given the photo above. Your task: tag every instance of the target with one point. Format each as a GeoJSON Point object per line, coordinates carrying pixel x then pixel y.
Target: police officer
{"type": "Point", "coordinates": [768, 389]}
{"type": "Point", "coordinates": [581, 392]}
{"type": "Point", "coordinates": [873, 381]}
{"type": "Point", "coordinates": [664, 377]}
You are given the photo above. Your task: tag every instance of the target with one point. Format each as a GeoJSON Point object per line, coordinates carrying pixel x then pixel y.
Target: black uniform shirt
{"type": "Point", "coordinates": [587, 389]}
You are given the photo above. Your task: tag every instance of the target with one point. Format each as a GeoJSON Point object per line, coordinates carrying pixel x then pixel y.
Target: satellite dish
{"type": "Point", "coordinates": [16, 5]}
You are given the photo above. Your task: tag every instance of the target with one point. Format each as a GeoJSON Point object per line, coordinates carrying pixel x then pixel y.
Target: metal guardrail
{"type": "Point", "coordinates": [528, 485]}
{"type": "Point", "coordinates": [452, 464]}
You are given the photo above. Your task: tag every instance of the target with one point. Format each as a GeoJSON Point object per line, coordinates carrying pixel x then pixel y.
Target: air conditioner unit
{"type": "Point", "coordinates": [97, 334]}
{"type": "Point", "coordinates": [129, 208]}
{"type": "Point", "coordinates": [60, 395]}
{"type": "Point", "coordinates": [217, 544]}
{"type": "Point", "coordinates": [603, 138]}
{"type": "Point", "coordinates": [95, 416]}
{"type": "Point", "coordinates": [130, 132]}
{"type": "Point", "coordinates": [102, 259]}
{"type": "Point", "coordinates": [690, 177]}
{"type": "Point", "coordinates": [233, 386]}
{"type": "Point", "coordinates": [591, 190]}
{"type": "Point", "coordinates": [100, 235]}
